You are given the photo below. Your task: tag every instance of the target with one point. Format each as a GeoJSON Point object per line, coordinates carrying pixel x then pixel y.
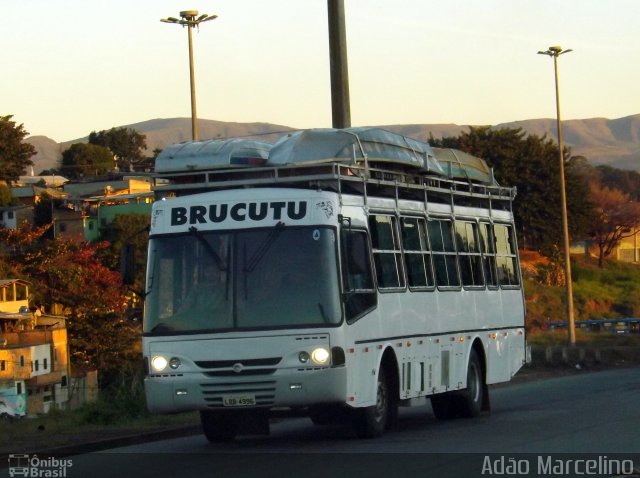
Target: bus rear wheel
{"type": "Point", "coordinates": [467, 403]}
{"type": "Point", "coordinates": [217, 426]}
{"type": "Point", "coordinates": [370, 422]}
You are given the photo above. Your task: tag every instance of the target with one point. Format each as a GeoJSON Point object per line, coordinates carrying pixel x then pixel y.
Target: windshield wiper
{"type": "Point", "coordinates": [216, 258]}
{"type": "Point", "coordinates": [264, 247]}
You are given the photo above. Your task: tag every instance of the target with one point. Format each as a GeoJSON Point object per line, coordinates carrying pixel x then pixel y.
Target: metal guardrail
{"type": "Point", "coordinates": [619, 326]}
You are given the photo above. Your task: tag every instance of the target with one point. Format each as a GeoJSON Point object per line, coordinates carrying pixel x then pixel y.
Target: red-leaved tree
{"type": "Point", "coordinates": [91, 297]}
{"type": "Point", "coordinates": [616, 217]}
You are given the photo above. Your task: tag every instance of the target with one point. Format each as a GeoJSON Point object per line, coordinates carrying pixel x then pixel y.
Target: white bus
{"type": "Point", "coordinates": [339, 274]}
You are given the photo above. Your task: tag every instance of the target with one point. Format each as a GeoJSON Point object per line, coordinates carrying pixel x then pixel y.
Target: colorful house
{"type": "Point", "coordinates": [629, 248]}
{"type": "Point", "coordinates": [34, 357]}
{"type": "Point", "coordinates": [14, 295]}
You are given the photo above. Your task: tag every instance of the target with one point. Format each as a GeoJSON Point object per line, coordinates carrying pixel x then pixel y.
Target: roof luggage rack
{"type": "Point", "coordinates": [364, 161]}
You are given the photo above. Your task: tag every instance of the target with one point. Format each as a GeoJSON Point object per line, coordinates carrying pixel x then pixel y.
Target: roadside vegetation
{"type": "Point", "coordinates": [120, 411]}
{"type": "Point", "coordinates": [608, 292]}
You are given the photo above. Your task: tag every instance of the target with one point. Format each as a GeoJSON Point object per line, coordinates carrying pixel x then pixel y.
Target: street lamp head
{"type": "Point", "coordinates": [206, 18]}
{"type": "Point", "coordinates": [190, 18]}
{"type": "Point", "coordinates": [554, 51]}
{"type": "Point", "coordinates": [189, 14]}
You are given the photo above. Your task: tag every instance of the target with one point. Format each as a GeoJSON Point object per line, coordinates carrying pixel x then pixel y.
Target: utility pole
{"type": "Point", "coordinates": [555, 52]}
{"type": "Point", "coordinates": [340, 109]}
{"type": "Point", "coordinates": [189, 20]}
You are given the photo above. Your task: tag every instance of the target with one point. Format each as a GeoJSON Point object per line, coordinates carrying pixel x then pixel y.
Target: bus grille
{"type": "Point", "coordinates": [246, 362]}
{"type": "Point", "coordinates": [245, 372]}
{"type": "Point", "coordinates": [264, 391]}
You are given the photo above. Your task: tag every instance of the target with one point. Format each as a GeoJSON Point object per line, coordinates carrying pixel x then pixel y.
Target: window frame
{"type": "Point", "coordinates": [511, 255]}
{"type": "Point", "coordinates": [425, 252]}
{"type": "Point", "coordinates": [396, 253]}
{"type": "Point", "coordinates": [446, 253]}
{"type": "Point", "coordinates": [345, 286]}
{"type": "Point", "coordinates": [488, 257]}
{"type": "Point", "coordinates": [467, 254]}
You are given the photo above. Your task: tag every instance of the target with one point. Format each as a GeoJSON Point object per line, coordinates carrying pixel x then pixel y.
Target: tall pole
{"type": "Point", "coordinates": [340, 107]}
{"type": "Point", "coordinates": [189, 19]}
{"type": "Point", "coordinates": [555, 52]}
{"type": "Point", "coordinates": [192, 83]}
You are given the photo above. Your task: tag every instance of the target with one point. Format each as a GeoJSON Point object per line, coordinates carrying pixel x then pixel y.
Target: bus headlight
{"type": "Point", "coordinates": [320, 356]}
{"type": "Point", "coordinates": [174, 363]}
{"type": "Point", "coordinates": [158, 363]}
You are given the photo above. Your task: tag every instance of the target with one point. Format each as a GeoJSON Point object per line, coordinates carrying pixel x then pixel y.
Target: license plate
{"type": "Point", "coordinates": [238, 400]}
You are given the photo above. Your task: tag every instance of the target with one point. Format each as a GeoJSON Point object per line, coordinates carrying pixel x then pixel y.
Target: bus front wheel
{"type": "Point", "coordinates": [370, 422]}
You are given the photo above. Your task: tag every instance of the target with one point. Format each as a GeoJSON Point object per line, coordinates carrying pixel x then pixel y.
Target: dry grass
{"type": "Point", "coordinates": [61, 429]}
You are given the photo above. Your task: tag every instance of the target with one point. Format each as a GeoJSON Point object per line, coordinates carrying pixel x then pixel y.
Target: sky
{"type": "Point", "coordinates": [70, 67]}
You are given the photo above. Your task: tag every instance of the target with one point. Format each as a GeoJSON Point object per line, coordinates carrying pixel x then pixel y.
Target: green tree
{"type": "Point", "coordinates": [43, 214]}
{"type": "Point", "coordinates": [5, 195]}
{"type": "Point", "coordinates": [15, 154]}
{"type": "Point", "coordinates": [86, 160]}
{"type": "Point", "coordinates": [126, 144]}
{"type": "Point", "coordinates": [129, 229]}
{"type": "Point", "coordinates": [50, 172]}
{"type": "Point", "coordinates": [530, 163]}
{"type": "Point", "coordinates": [625, 180]}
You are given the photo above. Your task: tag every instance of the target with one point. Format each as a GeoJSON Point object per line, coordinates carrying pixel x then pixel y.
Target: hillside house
{"type": "Point", "coordinates": [14, 295]}
{"type": "Point", "coordinates": [51, 181]}
{"type": "Point", "coordinates": [106, 187]}
{"type": "Point", "coordinates": [34, 364]}
{"type": "Point", "coordinates": [94, 205]}
{"type": "Point", "coordinates": [12, 216]}
{"type": "Point", "coordinates": [629, 248]}
{"type": "Point", "coordinates": [30, 195]}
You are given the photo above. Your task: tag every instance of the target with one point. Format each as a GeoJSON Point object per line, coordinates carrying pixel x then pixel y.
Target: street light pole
{"type": "Point", "coordinates": [190, 18]}
{"type": "Point", "coordinates": [340, 104]}
{"type": "Point", "coordinates": [555, 52]}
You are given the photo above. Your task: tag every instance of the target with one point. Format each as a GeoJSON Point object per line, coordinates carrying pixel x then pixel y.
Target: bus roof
{"type": "Point", "coordinates": [325, 145]}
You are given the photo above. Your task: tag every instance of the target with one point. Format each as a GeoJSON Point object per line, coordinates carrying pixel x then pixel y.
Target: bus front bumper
{"type": "Point", "coordinates": [282, 388]}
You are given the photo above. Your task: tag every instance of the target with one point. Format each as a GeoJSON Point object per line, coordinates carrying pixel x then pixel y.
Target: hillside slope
{"type": "Point", "coordinates": [615, 142]}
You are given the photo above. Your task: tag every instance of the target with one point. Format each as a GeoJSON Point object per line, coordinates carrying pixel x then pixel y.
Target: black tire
{"type": "Point", "coordinates": [444, 406]}
{"type": "Point", "coordinates": [218, 427]}
{"type": "Point", "coordinates": [466, 403]}
{"type": "Point", "coordinates": [370, 422]}
{"type": "Point", "coordinates": [471, 399]}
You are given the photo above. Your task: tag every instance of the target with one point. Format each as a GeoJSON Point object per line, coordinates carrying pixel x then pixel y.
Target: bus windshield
{"type": "Point", "coordinates": [245, 279]}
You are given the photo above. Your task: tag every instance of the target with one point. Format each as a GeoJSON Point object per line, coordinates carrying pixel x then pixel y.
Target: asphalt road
{"type": "Point", "coordinates": [595, 415]}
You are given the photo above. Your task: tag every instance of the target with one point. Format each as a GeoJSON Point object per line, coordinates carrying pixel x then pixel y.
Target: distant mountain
{"type": "Point", "coordinates": [48, 153]}
{"type": "Point", "coordinates": [602, 141]}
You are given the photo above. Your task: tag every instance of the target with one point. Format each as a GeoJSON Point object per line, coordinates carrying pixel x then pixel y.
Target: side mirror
{"type": "Point", "coordinates": [128, 264]}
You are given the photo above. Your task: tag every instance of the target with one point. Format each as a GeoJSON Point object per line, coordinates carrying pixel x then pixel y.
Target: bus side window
{"type": "Point", "coordinates": [469, 257]}
{"type": "Point", "coordinates": [417, 255]}
{"type": "Point", "coordinates": [488, 246]}
{"type": "Point", "coordinates": [386, 251]}
{"type": "Point", "coordinates": [360, 295]}
{"type": "Point", "coordinates": [506, 256]}
{"type": "Point", "coordinates": [443, 252]}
